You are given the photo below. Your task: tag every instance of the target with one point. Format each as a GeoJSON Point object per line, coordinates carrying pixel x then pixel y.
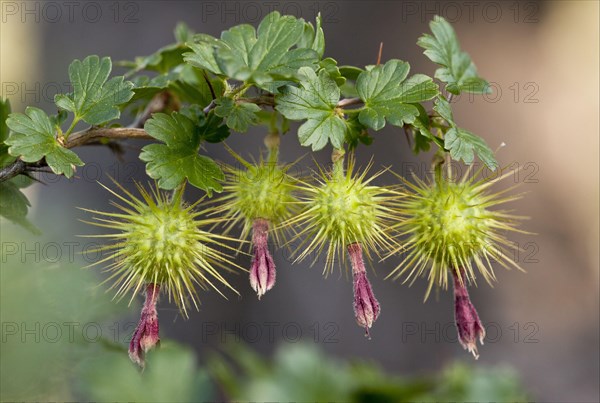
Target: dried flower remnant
{"type": "Point", "coordinates": [146, 335]}
{"type": "Point", "coordinates": [366, 306]}
{"type": "Point", "coordinates": [467, 321]}
{"type": "Point", "coordinates": [262, 270]}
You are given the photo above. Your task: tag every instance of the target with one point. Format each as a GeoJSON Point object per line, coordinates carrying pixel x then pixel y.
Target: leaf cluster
{"type": "Point", "coordinates": [269, 75]}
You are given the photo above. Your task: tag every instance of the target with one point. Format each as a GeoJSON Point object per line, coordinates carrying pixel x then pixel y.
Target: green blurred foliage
{"type": "Point", "coordinates": [46, 355]}
{"type": "Point", "coordinates": [44, 308]}
{"type": "Point", "coordinates": [300, 372]}
{"type": "Point", "coordinates": [171, 375]}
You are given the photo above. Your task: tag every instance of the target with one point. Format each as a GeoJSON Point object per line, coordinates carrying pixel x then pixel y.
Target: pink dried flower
{"type": "Point", "coordinates": [262, 271]}
{"type": "Point", "coordinates": [366, 307]}
{"type": "Point", "coordinates": [146, 334]}
{"type": "Point", "coordinates": [467, 321]}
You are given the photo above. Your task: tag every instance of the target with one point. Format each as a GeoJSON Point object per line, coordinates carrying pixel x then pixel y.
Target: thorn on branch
{"type": "Point", "coordinates": [380, 53]}
{"type": "Point", "coordinates": [209, 107]}
{"type": "Point", "coordinates": [161, 102]}
{"type": "Point", "coordinates": [349, 102]}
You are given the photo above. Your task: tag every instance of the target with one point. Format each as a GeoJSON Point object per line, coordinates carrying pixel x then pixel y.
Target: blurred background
{"type": "Point", "coordinates": [543, 325]}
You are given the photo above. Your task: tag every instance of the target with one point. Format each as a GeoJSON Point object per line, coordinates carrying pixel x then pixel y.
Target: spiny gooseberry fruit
{"type": "Point", "coordinates": [260, 197]}
{"type": "Point", "coordinates": [160, 244]}
{"type": "Point", "coordinates": [340, 208]}
{"type": "Point", "coordinates": [451, 229]}
{"type": "Point", "coordinates": [345, 212]}
{"type": "Point", "coordinates": [258, 190]}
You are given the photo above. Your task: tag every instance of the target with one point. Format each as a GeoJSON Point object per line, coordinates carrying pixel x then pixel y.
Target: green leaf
{"type": "Point", "coordinates": [5, 157]}
{"type": "Point", "coordinates": [255, 56]}
{"type": "Point", "coordinates": [238, 116]}
{"type": "Point", "coordinates": [94, 99]}
{"type": "Point", "coordinates": [171, 163]}
{"type": "Point", "coordinates": [458, 70]}
{"type": "Point", "coordinates": [162, 61]}
{"type": "Point", "coordinates": [4, 112]}
{"type": "Point", "coordinates": [387, 94]}
{"type": "Point", "coordinates": [192, 86]}
{"type": "Point", "coordinates": [330, 65]}
{"type": "Point", "coordinates": [58, 119]}
{"type": "Point", "coordinates": [32, 139]}
{"type": "Point", "coordinates": [211, 127]}
{"type": "Point", "coordinates": [316, 102]}
{"type": "Point", "coordinates": [203, 56]}
{"type": "Point", "coordinates": [421, 142]}
{"type": "Point", "coordinates": [422, 136]}
{"type": "Point", "coordinates": [313, 37]}
{"type": "Point", "coordinates": [350, 72]}
{"type": "Point", "coordinates": [357, 133]}
{"type": "Point", "coordinates": [462, 144]}
{"type": "Point", "coordinates": [14, 204]}
{"type": "Point", "coordinates": [443, 108]}
{"type": "Point", "coordinates": [182, 32]}
{"type": "Point", "coordinates": [212, 130]}
{"type": "Point", "coordinates": [187, 83]}
{"type": "Point", "coordinates": [165, 58]}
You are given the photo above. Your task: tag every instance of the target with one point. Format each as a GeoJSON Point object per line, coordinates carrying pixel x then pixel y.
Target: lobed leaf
{"type": "Point", "coordinates": [313, 37]}
{"type": "Point", "coordinates": [258, 56]}
{"type": "Point", "coordinates": [5, 157]}
{"type": "Point", "coordinates": [388, 95]}
{"type": "Point", "coordinates": [178, 159]}
{"type": "Point", "coordinates": [462, 144]}
{"type": "Point", "coordinates": [458, 70]}
{"type": "Point", "coordinates": [238, 116]}
{"type": "Point", "coordinates": [14, 205]}
{"type": "Point", "coordinates": [315, 101]}
{"type": "Point", "coordinates": [94, 99]}
{"type": "Point", "coordinates": [32, 138]}
{"type": "Point", "coordinates": [4, 112]}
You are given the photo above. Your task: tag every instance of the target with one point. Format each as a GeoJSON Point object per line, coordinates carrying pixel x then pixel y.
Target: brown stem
{"type": "Point", "coordinates": [91, 135]}
{"type": "Point", "coordinates": [349, 102]}
{"type": "Point", "coordinates": [12, 170]}
{"type": "Point", "coordinates": [159, 103]}
{"type": "Point", "coordinates": [263, 100]}
{"type": "Point", "coordinates": [85, 137]}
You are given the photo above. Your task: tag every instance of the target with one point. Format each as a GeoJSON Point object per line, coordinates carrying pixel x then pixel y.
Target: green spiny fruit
{"type": "Point", "coordinates": [342, 208]}
{"type": "Point", "coordinates": [160, 240]}
{"type": "Point", "coordinates": [452, 229]}
{"type": "Point", "coordinates": [260, 190]}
